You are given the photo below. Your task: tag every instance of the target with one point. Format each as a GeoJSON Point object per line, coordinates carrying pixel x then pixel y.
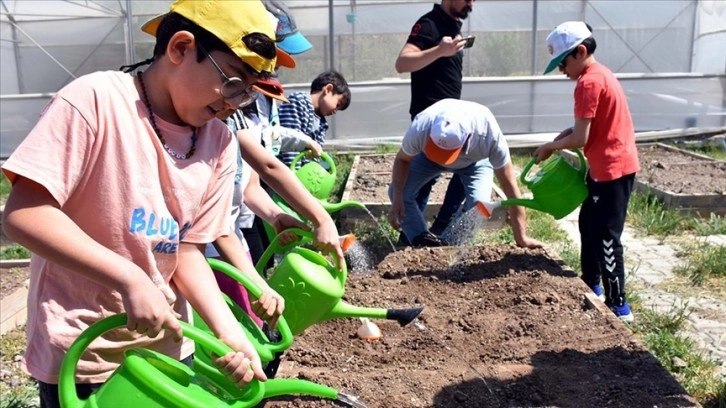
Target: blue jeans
{"type": "Point", "coordinates": [477, 179]}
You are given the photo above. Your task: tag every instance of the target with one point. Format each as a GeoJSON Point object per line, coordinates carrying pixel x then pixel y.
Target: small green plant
{"type": "Point", "coordinates": [714, 225]}
{"type": "Point", "coordinates": [703, 262]}
{"type": "Point", "coordinates": [343, 163]}
{"type": "Point", "coordinates": [14, 251]}
{"type": "Point", "coordinates": [376, 235]}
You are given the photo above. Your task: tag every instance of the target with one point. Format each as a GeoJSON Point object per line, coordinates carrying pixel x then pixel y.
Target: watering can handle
{"type": "Point", "coordinates": [326, 157]}
{"type": "Point", "coordinates": [583, 164]}
{"type": "Point", "coordinates": [252, 287]}
{"type": "Point", "coordinates": [305, 237]}
{"type": "Point", "coordinates": [523, 176]}
{"type": "Point", "coordinates": [66, 379]}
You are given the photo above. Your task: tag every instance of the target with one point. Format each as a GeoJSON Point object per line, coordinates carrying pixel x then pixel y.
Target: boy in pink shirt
{"type": "Point", "coordinates": [604, 128]}
{"type": "Point", "coordinates": [121, 183]}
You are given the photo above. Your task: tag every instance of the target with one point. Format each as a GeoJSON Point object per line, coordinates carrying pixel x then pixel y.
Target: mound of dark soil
{"type": "Point", "coordinates": [502, 327]}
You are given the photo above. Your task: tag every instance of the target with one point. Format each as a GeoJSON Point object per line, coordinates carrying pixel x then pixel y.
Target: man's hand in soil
{"type": "Point", "coordinates": [395, 214]}
{"type": "Point", "coordinates": [527, 242]}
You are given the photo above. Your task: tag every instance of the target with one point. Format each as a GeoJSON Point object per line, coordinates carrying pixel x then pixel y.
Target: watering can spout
{"type": "Point", "coordinates": [486, 208]}
{"type": "Point", "coordinates": [402, 316]}
{"type": "Point", "coordinates": [524, 202]}
{"type": "Point", "coordinates": [335, 207]}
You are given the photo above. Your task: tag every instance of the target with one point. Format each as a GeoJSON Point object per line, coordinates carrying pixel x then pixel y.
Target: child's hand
{"type": "Point", "coordinates": [543, 152]}
{"type": "Point", "coordinates": [148, 309]}
{"type": "Point", "coordinates": [243, 365]}
{"type": "Point", "coordinates": [327, 241]}
{"type": "Point", "coordinates": [269, 307]}
{"type": "Point", "coordinates": [284, 221]}
{"type": "Point", "coordinates": [314, 148]}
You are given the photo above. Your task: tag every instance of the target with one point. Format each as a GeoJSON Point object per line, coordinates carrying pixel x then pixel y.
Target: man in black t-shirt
{"type": "Point", "coordinates": [433, 54]}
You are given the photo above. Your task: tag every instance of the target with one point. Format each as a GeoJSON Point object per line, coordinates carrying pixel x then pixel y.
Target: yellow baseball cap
{"type": "Point", "coordinates": [228, 20]}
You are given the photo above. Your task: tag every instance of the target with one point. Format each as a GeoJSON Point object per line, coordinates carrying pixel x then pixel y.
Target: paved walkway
{"type": "Point", "coordinates": [649, 265]}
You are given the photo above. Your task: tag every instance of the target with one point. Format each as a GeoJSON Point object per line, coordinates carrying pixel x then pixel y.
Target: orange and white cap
{"type": "Point", "coordinates": [447, 138]}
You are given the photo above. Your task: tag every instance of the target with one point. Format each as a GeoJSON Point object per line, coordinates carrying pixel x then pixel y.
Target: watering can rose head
{"type": "Point", "coordinates": [447, 138]}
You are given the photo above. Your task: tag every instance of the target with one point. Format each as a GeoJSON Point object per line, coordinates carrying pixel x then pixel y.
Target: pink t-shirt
{"type": "Point", "coordinates": [610, 147]}
{"type": "Point", "coordinates": [95, 151]}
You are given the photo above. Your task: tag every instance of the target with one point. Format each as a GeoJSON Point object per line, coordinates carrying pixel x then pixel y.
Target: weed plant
{"type": "Point", "coordinates": [712, 150]}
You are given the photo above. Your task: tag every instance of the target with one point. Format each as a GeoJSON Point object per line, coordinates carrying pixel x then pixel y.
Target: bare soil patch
{"type": "Point", "coordinates": [677, 171]}
{"type": "Point", "coordinates": [12, 278]}
{"type": "Point", "coordinates": [504, 319]}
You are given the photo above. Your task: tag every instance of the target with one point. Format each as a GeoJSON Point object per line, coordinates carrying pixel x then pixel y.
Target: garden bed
{"type": "Point", "coordinates": [502, 327]}
{"type": "Point", "coordinates": [685, 181]}
{"type": "Point", "coordinates": [368, 182]}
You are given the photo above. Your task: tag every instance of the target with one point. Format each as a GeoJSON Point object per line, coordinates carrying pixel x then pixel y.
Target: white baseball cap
{"type": "Point", "coordinates": [563, 39]}
{"type": "Point", "coordinates": [447, 137]}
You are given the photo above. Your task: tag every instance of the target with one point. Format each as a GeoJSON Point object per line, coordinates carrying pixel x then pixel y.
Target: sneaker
{"type": "Point", "coordinates": [427, 239]}
{"type": "Point", "coordinates": [623, 312]}
{"type": "Point", "coordinates": [597, 290]}
{"type": "Point", "coordinates": [438, 227]}
{"type": "Point", "coordinates": [402, 241]}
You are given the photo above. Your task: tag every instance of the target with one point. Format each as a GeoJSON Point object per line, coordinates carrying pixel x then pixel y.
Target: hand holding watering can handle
{"type": "Point", "coordinates": [305, 237]}
{"type": "Point", "coordinates": [254, 290]}
{"type": "Point", "coordinates": [274, 247]}
{"type": "Point", "coordinates": [66, 378]}
{"type": "Point", "coordinates": [528, 167]}
{"type": "Point", "coordinates": [326, 157]}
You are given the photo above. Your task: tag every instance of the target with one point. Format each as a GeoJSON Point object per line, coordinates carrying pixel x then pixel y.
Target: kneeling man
{"type": "Point", "coordinates": [461, 137]}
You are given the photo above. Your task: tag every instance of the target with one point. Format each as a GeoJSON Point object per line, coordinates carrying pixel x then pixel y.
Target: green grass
{"type": "Point", "coordinates": [697, 374]}
{"type": "Point", "coordinates": [713, 150]}
{"type": "Point", "coordinates": [703, 262]}
{"type": "Point", "coordinates": [14, 251]}
{"type": "Point", "coordinates": [649, 215]}
{"type": "Point", "coordinates": [387, 148]}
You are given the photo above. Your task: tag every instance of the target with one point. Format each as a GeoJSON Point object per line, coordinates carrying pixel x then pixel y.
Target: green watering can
{"type": "Point", "coordinates": [313, 288]}
{"type": "Point", "coordinates": [264, 347]}
{"type": "Point", "coordinates": [557, 188]}
{"type": "Point", "coordinates": [150, 379]}
{"type": "Point", "coordinates": [318, 181]}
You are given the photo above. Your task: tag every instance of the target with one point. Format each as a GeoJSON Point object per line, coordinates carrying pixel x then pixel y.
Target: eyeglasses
{"type": "Point", "coordinates": [234, 88]}
{"type": "Point", "coordinates": [563, 64]}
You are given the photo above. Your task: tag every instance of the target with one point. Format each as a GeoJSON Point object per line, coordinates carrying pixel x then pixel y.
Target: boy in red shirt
{"type": "Point", "coordinates": [604, 128]}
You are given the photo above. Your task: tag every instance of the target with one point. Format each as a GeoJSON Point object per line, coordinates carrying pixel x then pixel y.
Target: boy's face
{"type": "Point", "coordinates": [196, 89]}
{"type": "Point", "coordinates": [573, 65]}
{"type": "Point", "coordinates": [329, 103]}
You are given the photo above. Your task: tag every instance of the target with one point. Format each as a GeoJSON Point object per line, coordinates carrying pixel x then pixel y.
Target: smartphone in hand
{"type": "Point", "coordinates": [469, 41]}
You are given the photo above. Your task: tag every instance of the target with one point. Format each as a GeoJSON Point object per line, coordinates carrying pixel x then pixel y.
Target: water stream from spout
{"type": "Point", "coordinates": [380, 228]}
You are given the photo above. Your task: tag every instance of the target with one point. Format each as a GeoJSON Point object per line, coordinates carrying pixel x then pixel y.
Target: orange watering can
{"type": "Point", "coordinates": [557, 188]}
{"type": "Point", "coordinates": [150, 379]}
{"type": "Point", "coordinates": [313, 287]}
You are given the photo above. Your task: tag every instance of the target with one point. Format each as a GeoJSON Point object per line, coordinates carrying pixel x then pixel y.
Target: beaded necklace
{"type": "Point", "coordinates": [168, 148]}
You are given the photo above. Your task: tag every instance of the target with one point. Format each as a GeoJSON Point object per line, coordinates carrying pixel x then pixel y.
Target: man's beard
{"type": "Point", "coordinates": [463, 13]}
